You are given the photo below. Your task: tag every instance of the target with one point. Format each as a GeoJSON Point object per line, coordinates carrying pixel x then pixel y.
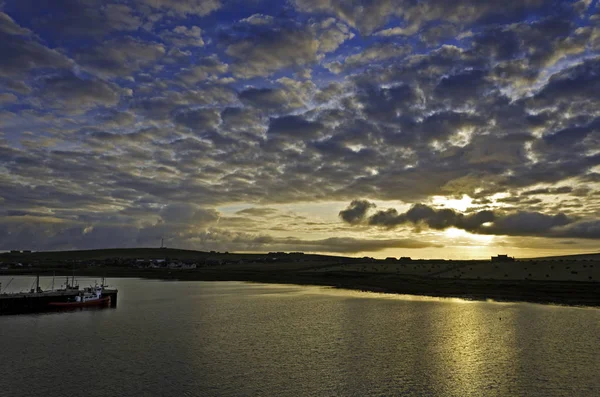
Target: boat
{"type": "Point", "coordinates": [70, 296]}
{"type": "Point", "coordinates": [90, 296]}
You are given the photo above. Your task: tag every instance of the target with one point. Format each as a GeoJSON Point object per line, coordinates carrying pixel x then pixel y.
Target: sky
{"type": "Point", "coordinates": [429, 129]}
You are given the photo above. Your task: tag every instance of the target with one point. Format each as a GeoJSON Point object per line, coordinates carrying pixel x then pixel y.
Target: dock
{"type": "Point", "coordinates": [38, 302]}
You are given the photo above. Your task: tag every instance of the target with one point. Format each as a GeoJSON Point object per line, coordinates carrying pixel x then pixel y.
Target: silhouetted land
{"type": "Point", "coordinates": [568, 280]}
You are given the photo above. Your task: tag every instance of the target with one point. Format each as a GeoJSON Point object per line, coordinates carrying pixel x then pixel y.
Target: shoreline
{"type": "Point", "coordinates": [565, 293]}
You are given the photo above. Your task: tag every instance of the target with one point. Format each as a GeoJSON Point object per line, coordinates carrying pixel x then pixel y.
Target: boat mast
{"type": "Point", "coordinates": [37, 283]}
{"type": "Point", "coordinates": [53, 274]}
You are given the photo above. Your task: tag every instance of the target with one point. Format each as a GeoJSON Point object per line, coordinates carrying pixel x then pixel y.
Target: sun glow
{"type": "Point", "coordinates": [455, 204]}
{"type": "Point", "coordinates": [454, 233]}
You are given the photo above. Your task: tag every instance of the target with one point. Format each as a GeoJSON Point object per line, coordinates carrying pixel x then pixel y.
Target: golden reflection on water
{"type": "Point", "coordinates": [356, 342]}
{"type": "Point", "coordinates": [472, 339]}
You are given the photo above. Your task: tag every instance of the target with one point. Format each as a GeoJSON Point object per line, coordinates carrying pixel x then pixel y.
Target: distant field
{"type": "Point", "coordinates": [54, 257]}
{"type": "Point", "coordinates": [577, 257]}
{"type": "Point", "coordinates": [478, 270]}
{"type": "Point", "coordinates": [573, 268]}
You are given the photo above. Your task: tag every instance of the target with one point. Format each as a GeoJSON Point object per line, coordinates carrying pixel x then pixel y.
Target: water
{"type": "Point", "coordinates": [238, 339]}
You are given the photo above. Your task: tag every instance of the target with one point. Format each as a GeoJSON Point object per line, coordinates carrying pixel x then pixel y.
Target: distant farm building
{"type": "Point", "coordinates": [503, 258]}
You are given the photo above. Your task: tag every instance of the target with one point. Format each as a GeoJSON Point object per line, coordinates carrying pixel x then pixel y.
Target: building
{"type": "Point", "coordinates": [503, 258]}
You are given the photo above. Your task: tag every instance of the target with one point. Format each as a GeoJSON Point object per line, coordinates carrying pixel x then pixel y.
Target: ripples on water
{"type": "Point", "coordinates": [237, 339]}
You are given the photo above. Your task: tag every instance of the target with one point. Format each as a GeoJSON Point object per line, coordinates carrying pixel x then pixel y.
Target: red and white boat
{"type": "Point", "coordinates": [91, 296]}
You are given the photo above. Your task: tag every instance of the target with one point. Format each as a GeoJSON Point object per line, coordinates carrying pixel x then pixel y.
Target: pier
{"type": "Point", "coordinates": [38, 302]}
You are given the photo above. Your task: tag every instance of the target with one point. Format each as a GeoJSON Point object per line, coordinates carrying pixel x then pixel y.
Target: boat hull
{"type": "Point", "coordinates": [66, 305]}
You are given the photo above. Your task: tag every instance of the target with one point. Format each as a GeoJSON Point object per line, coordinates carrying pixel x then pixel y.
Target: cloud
{"type": "Point", "coordinates": [20, 52]}
{"type": "Point", "coordinates": [183, 36]}
{"type": "Point", "coordinates": [185, 7]}
{"type": "Point", "coordinates": [277, 99]}
{"type": "Point", "coordinates": [257, 211]}
{"type": "Point", "coordinates": [367, 16]}
{"type": "Point", "coordinates": [574, 84]}
{"type": "Point", "coordinates": [398, 31]}
{"type": "Point", "coordinates": [496, 222]}
{"type": "Point", "coordinates": [294, 126]}
{"type": "Point", "coordinates": [74, 93]}
{"type": "Point", "coordinates": [331, 34]}
{"type": "Point", "coordinates": [265, 49]}
{"type": "Point", "coordinates": [350, 245]}
{"type": "Point", "coordinates": [8, 98]}
{"type": "Point", "coordinates": [377, 53]}
{"type": "Point", "coordinates": [120, 57]}
{"type": "Point", "coordinates": [356, 212]}
{"type": "Point", "coordinates": [198, 119]}
{"type": "Point", "coordinates": [559, 190]}
{"type": "Point", "coordinates": [90, 18]}
{"type": "Point", "coordinates": [9, 27]}
{"type": "Point", "coordinates": [187, 213]}
{"type": "Point", "coordinates": [182, 227]}
{"type": "Point", "coordinates": [205, 68]}
{"type": "Point", "coordinates": [258, 19]}
{"type": "Point", "coordinates": [15, 86]}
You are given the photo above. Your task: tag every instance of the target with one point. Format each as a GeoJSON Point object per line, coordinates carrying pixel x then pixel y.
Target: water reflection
{"type": "Point", "coordinates": [231, 339]}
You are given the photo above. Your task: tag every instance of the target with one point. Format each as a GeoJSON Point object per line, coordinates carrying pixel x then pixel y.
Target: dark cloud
{"type": "Point", "coordinates": [387, 103]}
{"type": "Point", "coordinates": [559, 190]}
{"type": "Point", "coordinates": [367, 16]}
{"type": "Point", "coordinates": [92, 18]}
{"type": "Point", "coordinates": [574, 84]}
{"type": "Point", "coordinates": [463, 86]}
{"type": "Point", "coordinates": [20, 51]}
{"type": "Point", "coordinates": [356, 212]}
{"type": "Point", "coordinates": [205, 68]}
{"type": "Point", "coordinates": [120, 57]}
{"type": "Point", "coordinates": [438, 219]}
{"type": "Point", "coordinates": [76, 93]}
{"type": "Point", "coordinates": [294, 126]}
{"type": "Point", "coordinates": [496, 222]}
{"type": "Point", "coordinates": [264, 49]}
{"type": "Point", "coordinates": [198, 119]}
{"type": "Point", "coordinates": [185, 7]}
{"type": "Point", "coordinates": [272, 100]}
{"type": "Point", "coordinates": [188, 214]}
{"type": "Point", "coordinates": [115, 118]}
{"type": "Point", "coordinates": [15, 86]}
{"type": "Point", "coordinates": [258, 212]}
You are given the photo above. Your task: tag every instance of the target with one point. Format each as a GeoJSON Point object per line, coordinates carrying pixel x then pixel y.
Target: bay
{"type": "Point", "coordinates": [244, 339]}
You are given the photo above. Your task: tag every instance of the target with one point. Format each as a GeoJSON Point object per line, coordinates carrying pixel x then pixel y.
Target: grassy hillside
{"type": "Point", "coordinates": [576, 257]}
{"type": "Point", "coordinates": [57, 257]}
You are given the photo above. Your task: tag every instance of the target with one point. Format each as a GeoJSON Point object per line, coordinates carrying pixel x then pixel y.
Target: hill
{"type": "Point", "coordinates": [575, 257]}
{"type": "Point", "coordinates": [60, 257]}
